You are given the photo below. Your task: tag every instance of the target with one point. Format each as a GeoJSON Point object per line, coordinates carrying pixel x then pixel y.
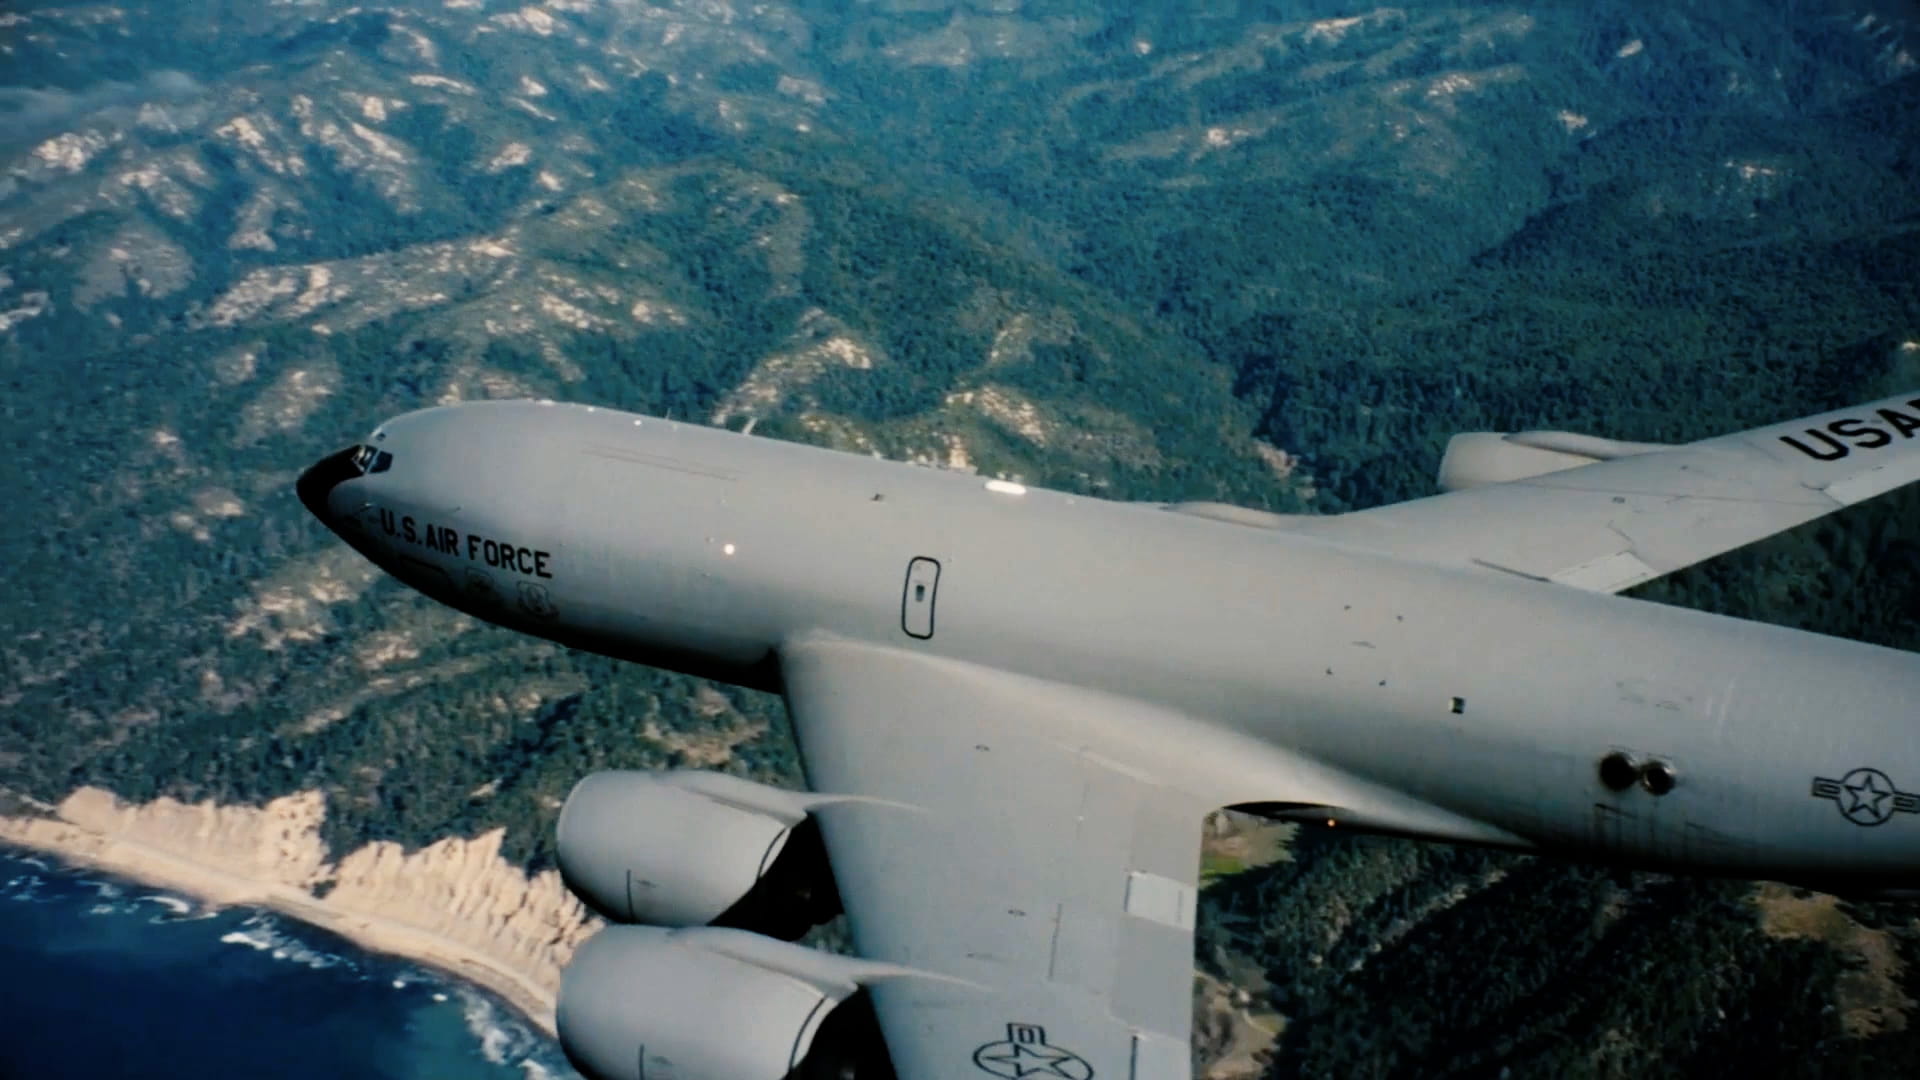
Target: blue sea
{"type": "Point", "coordinates": [101, 977]}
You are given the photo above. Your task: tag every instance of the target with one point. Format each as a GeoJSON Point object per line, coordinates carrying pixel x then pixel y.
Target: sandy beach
{"type": "Point", "coordinates": [454, 905]}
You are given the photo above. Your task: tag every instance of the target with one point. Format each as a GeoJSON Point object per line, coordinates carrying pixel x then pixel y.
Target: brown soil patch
{"type": "Point", "coordinates": [1869, 996]}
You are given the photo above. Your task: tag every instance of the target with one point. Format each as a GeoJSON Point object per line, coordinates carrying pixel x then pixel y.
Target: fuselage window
{"type": "Point", "coordinates": [369, 460]}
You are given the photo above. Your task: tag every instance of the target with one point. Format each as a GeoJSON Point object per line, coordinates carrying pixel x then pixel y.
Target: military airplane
{"type": "Point", "coordinates": [1016, 706]}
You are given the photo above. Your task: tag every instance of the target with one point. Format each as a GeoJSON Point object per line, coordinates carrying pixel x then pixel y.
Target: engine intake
{"type": "Point", "coordinates": [691, 848]}
{"type": "Point", "coordinates": [717, 1004]}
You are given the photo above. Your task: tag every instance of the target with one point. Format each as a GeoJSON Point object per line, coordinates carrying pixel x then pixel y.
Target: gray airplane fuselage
{"type": "Point", "coordinates": [1478, 705]}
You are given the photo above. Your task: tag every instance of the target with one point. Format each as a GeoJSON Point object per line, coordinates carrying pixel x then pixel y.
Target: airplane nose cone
{"type": "Point", "coordinates": [318, 482]}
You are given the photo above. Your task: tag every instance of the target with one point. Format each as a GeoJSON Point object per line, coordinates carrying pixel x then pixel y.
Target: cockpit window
{"type": "Point", "coordinates": [369, 460]}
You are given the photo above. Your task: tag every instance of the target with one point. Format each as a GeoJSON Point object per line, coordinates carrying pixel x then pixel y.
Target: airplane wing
{"type": "Point", "coordinates": [1614, 524]}
{"type": "Point", "coordinates": [1055, 888]}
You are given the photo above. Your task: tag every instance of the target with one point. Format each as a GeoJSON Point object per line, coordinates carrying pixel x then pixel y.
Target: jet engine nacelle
{"type": "Point", "coordinates": [717, 1004]}
{"type": "Point", "coordinates": [1477, 458]}
{"type": "Point", "coordinates": [690, 848]}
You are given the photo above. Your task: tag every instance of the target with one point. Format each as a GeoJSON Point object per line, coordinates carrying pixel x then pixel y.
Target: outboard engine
{"type": "Point", "coordinates": [641, 1002]}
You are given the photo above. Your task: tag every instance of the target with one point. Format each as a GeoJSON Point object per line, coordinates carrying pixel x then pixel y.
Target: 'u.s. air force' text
{"type": "Point", "coordinates": [1860, 434]}
{"type": "Point", "coordinates": [499, 554]}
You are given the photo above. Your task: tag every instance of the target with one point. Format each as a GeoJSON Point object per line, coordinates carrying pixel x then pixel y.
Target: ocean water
{"type": "Point", "coordinates": [101, 977]}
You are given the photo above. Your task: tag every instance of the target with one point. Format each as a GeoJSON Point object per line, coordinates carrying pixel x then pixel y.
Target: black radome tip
{"type": "Point", "coordinates": [322, 477]}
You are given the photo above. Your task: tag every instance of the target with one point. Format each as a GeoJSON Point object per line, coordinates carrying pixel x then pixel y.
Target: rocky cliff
{"type": "Point", "coordinates": [455, 904]}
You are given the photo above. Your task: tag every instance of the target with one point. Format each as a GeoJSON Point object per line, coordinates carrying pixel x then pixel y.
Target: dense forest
{"type": "Point", "coordinates": [1142, 253]}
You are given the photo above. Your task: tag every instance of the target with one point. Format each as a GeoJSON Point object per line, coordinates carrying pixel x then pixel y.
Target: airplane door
{"type": "Point", "coordinates": [916, 603]}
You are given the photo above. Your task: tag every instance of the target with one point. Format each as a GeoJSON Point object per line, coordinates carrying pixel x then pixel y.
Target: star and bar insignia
{"type": "Point", "coordinates": [1025, 1054]}
{"type": "Point", "coordinates": [1866, 796]}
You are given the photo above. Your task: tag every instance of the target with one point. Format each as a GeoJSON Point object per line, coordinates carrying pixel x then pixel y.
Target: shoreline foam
{"type": "Point", "coordinates": [454, 906]}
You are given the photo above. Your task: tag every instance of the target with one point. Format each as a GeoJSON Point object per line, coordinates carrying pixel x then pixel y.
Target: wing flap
{"type": "Point", "coordinates": [1875, 480]}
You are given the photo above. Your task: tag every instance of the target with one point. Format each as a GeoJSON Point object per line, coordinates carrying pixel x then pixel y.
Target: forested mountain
{"type": "Point", "coordinates": [1269, 253]}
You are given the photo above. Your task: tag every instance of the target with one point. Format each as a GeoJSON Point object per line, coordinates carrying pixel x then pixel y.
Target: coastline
{"type": "Point", "coordinates": [454, 906]}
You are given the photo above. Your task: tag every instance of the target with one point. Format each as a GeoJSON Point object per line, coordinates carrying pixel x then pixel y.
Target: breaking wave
{"type": "Point", "coordinates": [505, 1039]}
{"type": "Point", "coordinates": [22, 888]}
{"type": "Point", "coordinates": [263, 933]}
{"type": "Point", "coordinates": [176, 908]}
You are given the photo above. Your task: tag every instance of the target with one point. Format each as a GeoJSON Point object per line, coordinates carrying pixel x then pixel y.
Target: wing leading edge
{"type": "Point", "coordinates": [1616, 524]}
{"type": "Point", "coordinates": [1057, 888]}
